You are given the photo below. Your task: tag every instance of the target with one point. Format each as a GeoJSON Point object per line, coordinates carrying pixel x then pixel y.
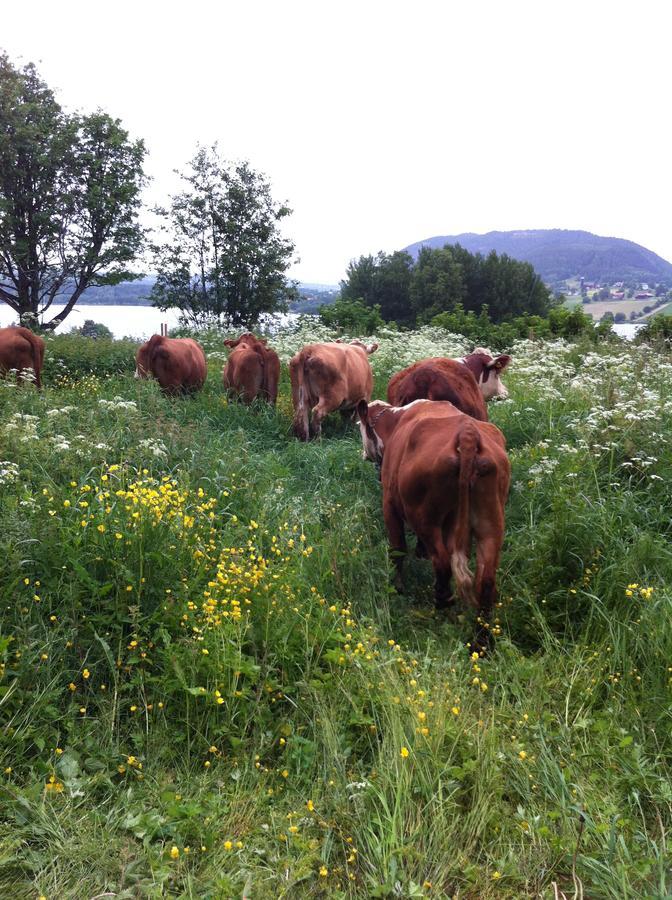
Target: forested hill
{"type": "Point", "coordinates": [558, 255]}
{"type": "Point", "coordinates": [137, 293]}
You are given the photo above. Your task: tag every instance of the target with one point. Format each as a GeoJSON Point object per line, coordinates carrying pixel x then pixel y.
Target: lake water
{"type": "Point", "coordinates": [627, 330]}
{"type": "Point", "coordinates": [143, 321]}
{"type": "Point", "coordinates": [123, 321]}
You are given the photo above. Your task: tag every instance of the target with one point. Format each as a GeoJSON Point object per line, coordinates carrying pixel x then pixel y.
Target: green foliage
{"type": "Point", "coordinates": [95, 330]}
{"type": "Point", "coordinates": [384, 281]}
{"type": "Point", "coordinates": [560, 322]}
{"type": "Point", "coordinates": [353, 316]}
{"type": "Point", "coordinates": [69, 198]}
{"type": "Point", "coordinates": [440, 280]}
{"type": "Point", "coordinates": [656, 331]}
{"type": "Point", "coordinates": [222, 257]}
{"type": "Point", "coordinates": [437, 283]}
{"type": "Point", "coordinates": [71, 356]}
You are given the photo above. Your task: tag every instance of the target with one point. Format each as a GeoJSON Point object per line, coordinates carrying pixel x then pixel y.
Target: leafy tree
{"type": "Point", "coordinates": [222, 257]}
{"type": "Point", "coordinates": [441, 279]}
{"type": "Point", "coordinates": [382, 280]}
{"type": "Point", "coordinates": [513, 288]}
{"type": "Point", "coordinates": [352, 316]}
{"type": "Point", "coordinates": [394, 287]}
{"type": "Point", "coordinates": [93, 330]}
{"type": "Point", "coordinates": [480, 329]}
{"type": "Point", "coordinates": [69, 197]}
{"type": "Point", "coordinates": [437, 282]}
{"type": "Point", "coordinates": [361, 280]}
{"type": "Point", "coordinates": [657, 330]}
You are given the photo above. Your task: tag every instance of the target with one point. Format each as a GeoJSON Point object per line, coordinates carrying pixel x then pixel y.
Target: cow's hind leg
{"type": "Point", "coordinates": [432, 545]}
{"type": "Point", "coordinates": [319, 412]}
{"type": "Point", "coordinates": [394, 523]}
{"type": "Point", "coordinates": [487, 560]}
{"type": "Point", "coordinates": [443, 591]}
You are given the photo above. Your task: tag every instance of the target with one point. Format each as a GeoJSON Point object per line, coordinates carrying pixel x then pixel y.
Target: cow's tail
{"type": "Point", "coordinates": [468, 446]}
{"type": "Point", "coordinates": [37, 352]}
{"type": "Point", "coordinates": [301, 407]}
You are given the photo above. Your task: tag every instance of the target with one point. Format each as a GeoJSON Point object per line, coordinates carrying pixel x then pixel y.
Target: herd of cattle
{"type": "Point", "coordinates": [444, 469]}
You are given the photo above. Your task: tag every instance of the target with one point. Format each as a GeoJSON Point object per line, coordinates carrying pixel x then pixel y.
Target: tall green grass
{"type": "Point", "coordinates": [357, 751]}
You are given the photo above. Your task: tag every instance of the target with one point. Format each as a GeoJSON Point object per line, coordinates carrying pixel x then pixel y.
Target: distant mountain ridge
{"type": "Point", "coordinates": [137, 293]}
{"type": "Point", "coordinates": [558, 254]}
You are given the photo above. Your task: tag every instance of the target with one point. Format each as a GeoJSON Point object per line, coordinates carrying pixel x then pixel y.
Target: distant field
{"type": "Point", "coordinates": [662, 310]}
{"type": "Point", "coordinates": [598, 309]}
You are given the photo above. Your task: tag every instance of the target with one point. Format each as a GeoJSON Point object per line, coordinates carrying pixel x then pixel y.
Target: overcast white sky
{"type": "Point", "coordinates": [383, 123]}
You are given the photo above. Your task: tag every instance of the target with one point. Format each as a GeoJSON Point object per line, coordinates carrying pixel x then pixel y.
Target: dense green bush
{"type": "Point", "coordinates": [560, 323]}
{"type": "Point", "coordinates": [352, 316]}
{"type": "Point", "coordinates": [73, 355]}
{"type": "Point", "coordinates": [95, 330]}
{"type": "Point", "coordinates": [657, 331]}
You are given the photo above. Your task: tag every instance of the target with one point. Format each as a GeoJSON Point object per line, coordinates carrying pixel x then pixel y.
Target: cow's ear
{"type": "Point", "coordinates": [363, 411]}
{"type": "Point", "coordinates": [372, 348]}
{"type": "Point", "coordinates": [500, 362]}
{"type": "Point", "coordinates": [230, 343]}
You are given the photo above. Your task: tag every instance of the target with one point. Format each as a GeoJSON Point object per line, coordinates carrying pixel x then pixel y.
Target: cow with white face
{"type": "Point", "coordinates": [486, 369]}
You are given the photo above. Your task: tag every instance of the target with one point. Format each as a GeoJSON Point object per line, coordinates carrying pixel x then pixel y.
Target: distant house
{"type": "Point", "coordinates": [617, 295]}
{"type": "Point", "coordinates": [643, 295]}
{"type": "Point", "coordinates": [644, 286]}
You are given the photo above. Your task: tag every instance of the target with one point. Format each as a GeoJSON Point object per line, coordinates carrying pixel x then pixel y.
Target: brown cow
{"type": "Point", "coordinates": [252, 369]}
{"type": "Point", "coordinates": [328, 377]}
{"type": "Point", "coordinates": [466, 382]}
{"type": "Point", "coordinates": [438, 379]}
{"type": "Point", "coordinates": [20, 349]}
{"type": "Point", "coordinates": [447, 476]}
{"type": "Point", "coordinates": [178, 364]}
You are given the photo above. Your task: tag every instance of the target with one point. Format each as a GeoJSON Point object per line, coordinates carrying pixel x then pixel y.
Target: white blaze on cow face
{"type": "Point", "coordinates": [493, 387]}
{"type": "Point", "coordinates": [487, 370]}
{"type": "Point", "coordinates": [369, 447]}
{"type": "Point", "coordinates": [372, 444]}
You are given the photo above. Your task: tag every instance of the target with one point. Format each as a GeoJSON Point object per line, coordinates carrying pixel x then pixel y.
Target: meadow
{"type": "Point", "coordinates": [210, 689]}
{"type": "Point", "coordinates": [597, 308]}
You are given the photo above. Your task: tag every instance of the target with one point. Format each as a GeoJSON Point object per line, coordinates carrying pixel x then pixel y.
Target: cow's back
{"type": "Point", "coordinates": [421, 463]}
{"type": "Point", "coordinates": [20, 349]}
{"type": "Point", "coordinates": [326, 378]}
{"type": "Point", "coordinates": [244, 372]}
{"type": "Point", "coordinates": [438, 379]}
{"type": "Point", "coordinates": [342, 368]}
{"type": "Point", "coordinates": [271, 377]}
{"type": "Point", "coordinates": [178, 364]}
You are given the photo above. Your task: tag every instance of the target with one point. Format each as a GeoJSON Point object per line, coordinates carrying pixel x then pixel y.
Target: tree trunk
{"type": "Point", "coordinates": [56, 321]}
